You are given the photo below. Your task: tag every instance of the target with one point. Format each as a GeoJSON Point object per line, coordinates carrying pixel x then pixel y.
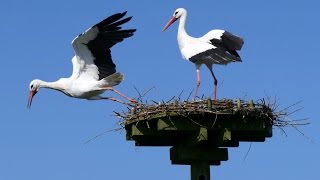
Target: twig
{"type": "Point", "coordinates": [189, 95]}
{"type": "Point", "coordinates": [140, 97]}
{"type": "Point", "coordinates": [117, 129]}
{"type": "Point", "coordinates": [264, 108]}
{"type": "Point", "coordinates": [245, 157]}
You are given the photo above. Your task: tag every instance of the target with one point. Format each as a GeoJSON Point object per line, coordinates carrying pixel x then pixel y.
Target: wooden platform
{"type": "Point", "coordinates": [199, 131]}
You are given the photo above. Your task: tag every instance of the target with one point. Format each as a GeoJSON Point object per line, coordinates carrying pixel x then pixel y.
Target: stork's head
{"type": "Point", "coordinates": [176, 15]}
{"type": "Point", "coordinates": [33, 88]}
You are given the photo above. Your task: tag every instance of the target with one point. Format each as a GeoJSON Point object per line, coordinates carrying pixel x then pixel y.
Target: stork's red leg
{"type": "Point", "coordinates": [113, 99]}
{"type": "Point", "coordinates": [121, 94]}
{"type": "Point", "coordinates": [198, 84]}
{"type": "Point", "coordinates": [116, 100]}
{"type": "Point", "coordinates": [215, 84]}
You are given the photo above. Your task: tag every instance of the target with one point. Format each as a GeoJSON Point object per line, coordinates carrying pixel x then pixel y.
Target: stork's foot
{"type": "Point", "coordinates": [132, 100]}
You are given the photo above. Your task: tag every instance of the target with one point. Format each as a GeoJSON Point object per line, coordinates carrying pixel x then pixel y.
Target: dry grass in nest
{"type": "Point", "coordinates": [262, 108]}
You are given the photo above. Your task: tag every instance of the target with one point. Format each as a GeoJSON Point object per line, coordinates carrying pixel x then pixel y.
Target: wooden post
{"type": "Point", "coordinates": [199, 133]}
{"type": "Point", "coordinates": [200, 171]}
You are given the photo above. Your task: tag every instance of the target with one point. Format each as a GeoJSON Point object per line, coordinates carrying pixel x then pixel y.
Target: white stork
{"type": "Point", "coordinates": [93, 69]}
{"type": "Point", "coordinates": [215, 47]}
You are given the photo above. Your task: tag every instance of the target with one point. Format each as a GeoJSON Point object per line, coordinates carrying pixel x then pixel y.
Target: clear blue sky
{"type": "Point", "coordinates": [47, 142]}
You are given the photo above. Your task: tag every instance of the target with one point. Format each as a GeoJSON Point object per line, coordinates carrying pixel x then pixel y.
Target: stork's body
{"type": "Point", "coordinates": [215, 47]}
{"type": "Point", "coordinates": [93, 69]}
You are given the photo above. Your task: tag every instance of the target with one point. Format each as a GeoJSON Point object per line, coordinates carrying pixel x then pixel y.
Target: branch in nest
{"type": "Point", "coordinates": [174, 106]}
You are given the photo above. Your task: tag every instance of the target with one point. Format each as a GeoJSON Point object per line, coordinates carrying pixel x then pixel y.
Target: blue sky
{"type": "Point", "coordinates": [47, 142]}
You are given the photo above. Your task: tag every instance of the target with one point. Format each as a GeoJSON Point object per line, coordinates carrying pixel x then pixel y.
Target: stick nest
{"type": "Point", "coordinates": [175, 107]}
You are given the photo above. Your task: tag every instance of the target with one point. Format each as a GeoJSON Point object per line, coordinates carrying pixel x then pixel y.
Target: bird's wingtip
{"type": "Point", "coordinates": [125, 12]}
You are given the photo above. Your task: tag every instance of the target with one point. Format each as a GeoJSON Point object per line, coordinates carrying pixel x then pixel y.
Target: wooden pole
{"type": "Point", "coordinates": [200, 171]}
{"type": "Point", "coordinates": [199, 133]}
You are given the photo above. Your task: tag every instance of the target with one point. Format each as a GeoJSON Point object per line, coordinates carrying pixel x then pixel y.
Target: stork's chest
{"type": "Point", "coordinates": [82, 89]}
{"type": "Point", "coordinates": [189, 50]}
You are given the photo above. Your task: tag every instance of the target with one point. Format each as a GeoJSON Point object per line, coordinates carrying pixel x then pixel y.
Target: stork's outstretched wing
{"type": "Point", "coordinates": [93, 56]}
{"type": "Point", "coordinates": [224, 40]}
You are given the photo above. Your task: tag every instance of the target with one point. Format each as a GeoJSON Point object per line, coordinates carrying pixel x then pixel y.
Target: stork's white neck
{"type": "Point", "coordinates": [182, 23]}
{"type": "Point", "coordinates": [56, 85]}
{"type": "Point", "coordinates": [182, 34]}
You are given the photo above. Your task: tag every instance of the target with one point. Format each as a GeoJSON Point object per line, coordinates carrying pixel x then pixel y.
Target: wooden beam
{"type": "Point", "coordinates": [188, 155]}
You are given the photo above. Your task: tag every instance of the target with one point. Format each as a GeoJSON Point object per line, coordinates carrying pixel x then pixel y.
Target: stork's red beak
{"type": "Point", "coordinates": [31, 94]}
{"type": "Point", "coordinates": [172, 20]}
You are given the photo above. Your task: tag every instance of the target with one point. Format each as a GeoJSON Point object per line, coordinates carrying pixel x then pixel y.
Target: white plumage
{"type": "Point", "coordinates": [93, 69]}
{"type": "Point", "coordinates": [215, 47]}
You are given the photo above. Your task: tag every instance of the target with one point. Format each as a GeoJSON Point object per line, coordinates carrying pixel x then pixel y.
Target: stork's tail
{"type": "Point", "coordinates": [114, 79]}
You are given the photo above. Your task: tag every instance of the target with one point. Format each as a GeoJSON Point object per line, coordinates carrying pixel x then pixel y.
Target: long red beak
{"type": "Point", "coordinates": [172, 20]}
{"type": "Point", "coordinates": [31, 94]}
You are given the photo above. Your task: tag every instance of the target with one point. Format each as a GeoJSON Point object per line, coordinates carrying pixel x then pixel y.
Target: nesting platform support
{"type": "Point", "coordinates": [199, 138]}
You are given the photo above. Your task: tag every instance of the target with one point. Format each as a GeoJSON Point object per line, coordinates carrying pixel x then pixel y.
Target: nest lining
{"type": "Point", "coordinates": [143, 111]}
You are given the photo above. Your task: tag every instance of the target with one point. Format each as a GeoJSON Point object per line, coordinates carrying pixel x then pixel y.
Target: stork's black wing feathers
{"type": "Point", "coordinates": [115, 25]}
{"type": "Point", "coordinates": [111, 19]}
{"type": "Point", "coordinates": [214, 56]}
{"type": "Point", "coordinates": [109, 34]}
{"type": "Point", "coordinates": [229, 42]}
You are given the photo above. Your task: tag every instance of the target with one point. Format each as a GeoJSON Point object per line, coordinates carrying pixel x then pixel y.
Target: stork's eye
{"type": "Point", "coordinates": [31, 87]}
{"type": "Point", "coordinates": [176, 13]}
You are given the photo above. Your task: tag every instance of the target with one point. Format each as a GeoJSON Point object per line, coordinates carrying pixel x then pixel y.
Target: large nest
{"type": "Point", "coordinates": [173, 107]}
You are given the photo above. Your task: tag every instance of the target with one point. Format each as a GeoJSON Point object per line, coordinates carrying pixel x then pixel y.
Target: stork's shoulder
{"type": "Point", "coordinates": [213, 34]}
{"type": "Point", "coordinates": [86, 36]}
